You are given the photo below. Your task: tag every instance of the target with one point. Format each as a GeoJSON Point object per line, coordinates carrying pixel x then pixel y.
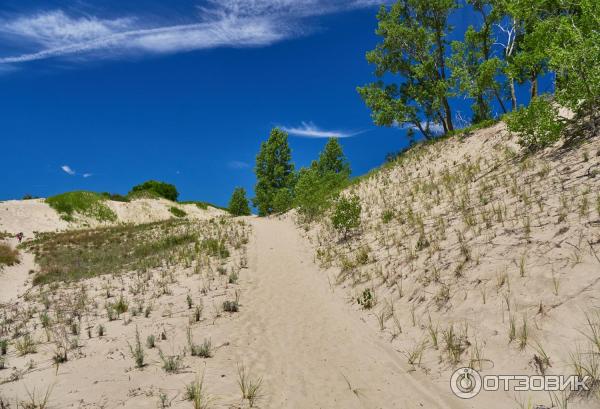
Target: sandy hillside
{"type": "Point", "coordinates": [29, 216]}
{"type": "Point", "coordinates": [304, 341]}
{"type": "Point", "coordinates": [471, 254]}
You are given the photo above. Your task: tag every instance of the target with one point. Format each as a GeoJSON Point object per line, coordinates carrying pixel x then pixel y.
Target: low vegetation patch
{"type": "Point", "coordinates": [83, 203]}
{"type": "Point", "coordinates": [177, 212]}
{"type": "Point", "coordinates": [8, 255]}
{"type": "Point", "coordinates": [75, 255]}
{"type": "Point", "coordinates": [153, 188]}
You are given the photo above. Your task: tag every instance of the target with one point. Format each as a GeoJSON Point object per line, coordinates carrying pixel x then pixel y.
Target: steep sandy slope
{"type": "Point", "coordinates": [475, 255]}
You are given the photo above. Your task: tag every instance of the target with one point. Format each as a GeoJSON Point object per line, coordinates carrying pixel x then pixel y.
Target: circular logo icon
{"type": "Point", "coordinates": [465, 383]}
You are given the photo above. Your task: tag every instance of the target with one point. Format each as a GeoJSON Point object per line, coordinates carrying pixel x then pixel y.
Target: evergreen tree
{"type": "Point", "coordinates": [238, 204]}
{"type": "Point", "coordinates": [414, 47]}
{"type": "Point", "coordinates": [319, 184]}
{"type": "Point", "coordinates": [332, 159]}
{"type": "Point", "coordinates": [274, 174]}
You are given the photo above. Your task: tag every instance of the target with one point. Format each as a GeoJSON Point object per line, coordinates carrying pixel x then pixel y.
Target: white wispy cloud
{"type": "Point", "coordinates": [220, 23]}
{"type": "Point", "coordinates": [310, 130]}
{"type": "Point", "coordinates": [238, 164]}
{"type": "Point", "coordinates": [87, 175]}
{"type": "Point", "coordinates": [67, 169]}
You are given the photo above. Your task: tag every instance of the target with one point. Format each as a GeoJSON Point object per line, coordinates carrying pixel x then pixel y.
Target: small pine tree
{"type": "Point", "coordinates": [332, 159]}
{"type": "Point", "coordinates": [238, 205]}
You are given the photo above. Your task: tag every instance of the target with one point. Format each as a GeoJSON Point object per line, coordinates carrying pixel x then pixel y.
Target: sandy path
{"type": "Point", "coordinates": [312, 351]}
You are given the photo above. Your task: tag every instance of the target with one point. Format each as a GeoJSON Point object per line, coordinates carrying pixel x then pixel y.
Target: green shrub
{"type": "Point", "coordinates": [366, 299]}
{"type": "Point", "coordinates": [238, 205]}
{"type": "Point", "coordinates": [84, 203]}
{"type": "Point", "coordinates": [177, 212]}
{"type": "Point", "coordinates": [153, 187]}
{"type": "Point", "coordinates": [8, 255]}
{"type": "Point", "coordinates": [538, 125]}
{"type": "Point", "coordinates": [114, 197]}
{"type": "Point", "coordinates": [315, 192]}
{"type": "Point", "coordinates": [346, 215]}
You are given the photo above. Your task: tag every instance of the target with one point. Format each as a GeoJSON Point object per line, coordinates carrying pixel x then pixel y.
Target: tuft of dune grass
{"type": "Point", "coordinates": [8, 255]}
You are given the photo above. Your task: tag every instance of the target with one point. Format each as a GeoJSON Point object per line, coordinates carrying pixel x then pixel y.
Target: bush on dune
{"type": "Point", "coordinates": [81, 202]}
{"type": "Point", "coordinates": [154, 189]}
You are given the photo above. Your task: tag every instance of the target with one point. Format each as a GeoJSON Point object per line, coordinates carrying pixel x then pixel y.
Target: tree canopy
{"type": "Point", "coordinates": [275, 174]}
{"type": "Point", "coordinates": [238, 204]}
{"type": "Point", "coordinates": [160, 189]}
{"type": "Point", "coordinates": [514, 42]}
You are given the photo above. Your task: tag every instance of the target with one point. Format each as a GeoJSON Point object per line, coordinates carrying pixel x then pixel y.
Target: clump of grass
{"type": "Point", "coordinates": [203, 350]}
{"type": "Point", "coordinates": [249, 386]}
{"type": "Point", "coordinates": [137, 351]}
{"type": "Point", "coordinates": [34, 401]}
{"type": "Point", "coordinates": [366, 299]}
{"type": "Point", "coordinates": [523, 334]}
{"type": "Point", "coordinates": [231, 306]}
{"type": "Point", "coordinates": [196, 393]}
{"type": "Point", "coordinates": [512, 329]}
{"type": "Point", "coordinates": [171, 363]}
{"type": "Point", "coordinates": [177, 212]}
{"type": "Point", "coordinates": [26, 345]}
{"type": "Point", "coordinates": [3, 346]}
{"type": "Point", "coordinates": [215, 247]}
{"type": "Point", "coordinates": [151, 341]}
{"type": "Point", "coordinates": [121, 306]}
{"type": "Point", "coordinates": [84, 203]}
{"type": "Point", "coordinates": [198, 313]}
{"type": "Point", "coordinates": [101, 330]}
{"type": "Point", "coordinates": [415, 354]}
{"type": "Point", "coordinates": [8, 255]}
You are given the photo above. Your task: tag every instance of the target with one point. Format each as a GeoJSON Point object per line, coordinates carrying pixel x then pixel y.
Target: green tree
{"type": "Point", "coordinates": [275, 175]}
{"type": "Point", "coordinates": [319, 184]}
{"type": "Point", "coordinates": [154, 187]}
{"type": "Point", "coordinates": [238, 204]}
{"type": "Point", "coordinates": [474, 70]}
{"type": "Point", "coordinates": [332, 159]}
{"type": "Point", "coordinates": [346, 215]}
{"type": "Point", "coordinates": [413, 48]}
{"type": "Point", "coordinates": [572, 42]}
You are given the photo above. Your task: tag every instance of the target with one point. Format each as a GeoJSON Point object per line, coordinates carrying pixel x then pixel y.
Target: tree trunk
{"type": "Point", "coordinates": [500, 101]}
{"type": "Point", "coordinates": [513, 94]}
{"type": "Point", "coordinates": [534, 86]}
{"type": "Point", "coordinates": [448, 116]}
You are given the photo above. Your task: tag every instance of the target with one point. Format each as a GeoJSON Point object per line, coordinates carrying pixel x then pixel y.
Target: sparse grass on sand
{"type": "Point", "coordinates": [76, 255]}
{"type": "Point", "coordinates": [8, 255]}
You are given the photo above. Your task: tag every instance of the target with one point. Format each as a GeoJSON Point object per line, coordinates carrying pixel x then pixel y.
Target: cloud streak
{"type": "Point", "coordinates": [238, 165]}
{"type": "Point", "coordinates": [310, 130]}
{"type": "Point", "coordinates": [67, 169]}
{"type": "Point", "coordinates": [222, 23]}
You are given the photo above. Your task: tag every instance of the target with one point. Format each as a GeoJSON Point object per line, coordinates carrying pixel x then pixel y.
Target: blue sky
{"type": "Point", "coordinates": [101, 95]}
